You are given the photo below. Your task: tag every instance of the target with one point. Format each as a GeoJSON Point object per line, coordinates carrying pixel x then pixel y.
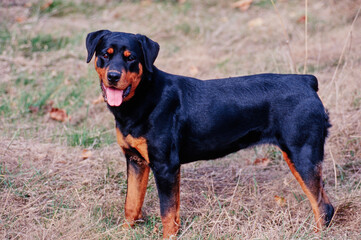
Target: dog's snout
{"type": "Point", "coordinates": [113, 77]}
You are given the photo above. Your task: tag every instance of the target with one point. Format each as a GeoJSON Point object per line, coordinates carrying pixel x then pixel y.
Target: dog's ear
{"type": "Point", "coordinates": [150, 51]}
{"type": "Point", "coordinates": [92, 41]}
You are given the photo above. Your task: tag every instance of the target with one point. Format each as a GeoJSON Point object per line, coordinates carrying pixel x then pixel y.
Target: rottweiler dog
{"type": "Point", "coordinates": [164, 120]}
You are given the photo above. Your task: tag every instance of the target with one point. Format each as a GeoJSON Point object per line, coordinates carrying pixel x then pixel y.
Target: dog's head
{"type": "Point", "coordinates": [121, 60]}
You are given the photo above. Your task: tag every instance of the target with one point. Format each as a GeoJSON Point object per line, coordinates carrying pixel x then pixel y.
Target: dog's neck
{"type": "Point", "coordinates": [140, 106]}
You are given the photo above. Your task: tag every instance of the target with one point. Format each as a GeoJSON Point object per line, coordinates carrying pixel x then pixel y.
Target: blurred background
{"type": "Point", "coordinates": [62, 175]}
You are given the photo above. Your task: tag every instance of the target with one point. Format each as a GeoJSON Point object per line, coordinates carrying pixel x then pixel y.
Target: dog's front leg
{"type": "Point", "coordinates": [137, 180]}
{"type": "Point", "coordinates": [168, 180]}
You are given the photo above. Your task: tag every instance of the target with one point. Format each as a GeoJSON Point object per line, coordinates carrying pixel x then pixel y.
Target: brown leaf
{"type": "Point", "coordinates": [46, 5]}
{"type": "Point", "coordinates": [302, 19]}
{"type": "Point", "coordinates": [85, 154]}
{"type": "Point", "coordinates": [242, 5]}
{"type": "Point", "coordinates": [20, 19]}
{"type": "Point", "coordinates": [281, 201]}
{"type": "Point", "coordinates": [58, 115]}
{"type": "Point", "coordinates": [261, 162]}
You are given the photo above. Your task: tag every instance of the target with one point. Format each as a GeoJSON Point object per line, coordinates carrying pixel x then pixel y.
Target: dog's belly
{"type": "Point", "coordinates": [199, 150]}
{"type": "Point", "coordinates": [225, 134]}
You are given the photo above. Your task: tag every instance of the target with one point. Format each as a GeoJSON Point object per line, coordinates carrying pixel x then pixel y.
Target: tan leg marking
{"type": "Point", "coordinates": [313, 199]}
{"type": "Point", "coordinates": [136, 190]}
{"type": "Point", "coordinates": [171, 220]}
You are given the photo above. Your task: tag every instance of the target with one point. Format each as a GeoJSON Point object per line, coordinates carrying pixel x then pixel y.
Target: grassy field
{"type": "Point", "coordinates": [50, 190]}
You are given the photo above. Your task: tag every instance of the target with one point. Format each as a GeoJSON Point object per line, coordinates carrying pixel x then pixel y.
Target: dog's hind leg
{"type": "Point", "coordinates": [302, 139]}
{"type": "Point", "coordinates": [309, 175]}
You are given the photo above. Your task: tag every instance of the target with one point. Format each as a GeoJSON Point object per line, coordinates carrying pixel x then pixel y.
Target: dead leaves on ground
{"type": "Point", "coordinates": [58, 114]}
{"type": "Point", "coordinates": [301, 19]}
{"type": "Point", "coordinates": [243, 5]}
{"type": "Point", "coordinates": [262, 162]}
{"type": "Point", "coordinates": [85, 154]}
{"type": "Point", "coordinates": [281, 201]}
{"type": "Point", "coordinates": [46, 5]}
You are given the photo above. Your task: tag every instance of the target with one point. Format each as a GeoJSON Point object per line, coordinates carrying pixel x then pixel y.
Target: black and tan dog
{"type": "Point", "coordinates": [163, 121]}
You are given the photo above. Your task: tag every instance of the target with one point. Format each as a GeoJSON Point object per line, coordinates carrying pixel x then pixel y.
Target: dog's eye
{"type": "Point", "coordinates": [106, 55]}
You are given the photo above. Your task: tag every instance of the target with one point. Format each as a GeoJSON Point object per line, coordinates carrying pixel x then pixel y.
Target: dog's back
{"type": "Point", "coordinates": [224, 115]}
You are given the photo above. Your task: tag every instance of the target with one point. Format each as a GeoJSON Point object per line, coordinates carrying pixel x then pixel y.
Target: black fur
{"type": "Point", "coordinates": [185, 119]}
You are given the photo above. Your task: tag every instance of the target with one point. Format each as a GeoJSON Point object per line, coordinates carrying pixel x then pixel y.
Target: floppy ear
{"type": "Point", "coordinates": [150, 51]}
{"type": "Point", "coordinates": [92, 41]}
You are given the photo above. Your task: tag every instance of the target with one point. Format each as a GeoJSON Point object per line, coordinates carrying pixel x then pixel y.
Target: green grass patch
{"type": "Point", "coordinates": [71, 96]}
{"type": "Point", "coordinates": [188, 29]}
{"type": "Point", "coordinates": [44, 43]}
{"type": "Point", "coordinates": [39, 99]}
{"type": "Point", "coordinates": [5, 180]}
{"type": "Point", "coordinates": [5, 109]}
{"type": "Point", "coordinates": [106, 216]}
{"type": "Point", "coordinates": [263, 3]}
{"type": "Point", "coordinates": [89, 138]}
{"type": "Point", "coordinates": [22, 99]}
{"type": "Point", "coordinates": [29, 98]}
{"type": "Point", "coordinates": [223, 63]}
{"type": "Point", "coordinates": [356, 101]}
{"type": "Point", "coordinates": [5, 37]}
{"type": "Point", "coordinates": [60, 8]}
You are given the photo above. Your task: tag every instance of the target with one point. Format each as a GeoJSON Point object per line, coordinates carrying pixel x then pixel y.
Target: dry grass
{"type": "Point", "coordinates": [47, 191]}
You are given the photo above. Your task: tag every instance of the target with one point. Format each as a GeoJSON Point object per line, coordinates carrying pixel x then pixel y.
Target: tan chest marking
{"type": "Point", "coordinates": [140, 144]}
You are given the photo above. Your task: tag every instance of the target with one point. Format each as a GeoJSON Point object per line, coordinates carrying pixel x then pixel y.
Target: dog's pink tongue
{"type": "Point", "coordinates": [114, 97]}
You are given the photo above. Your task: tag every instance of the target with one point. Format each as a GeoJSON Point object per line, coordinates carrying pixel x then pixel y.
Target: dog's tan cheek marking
{"type": "Point", "coordinates": [101, 71]}
{"type": "Point", "coordinates": [140, 144]}
{"type": "Point", "coordinates": [134, 79]}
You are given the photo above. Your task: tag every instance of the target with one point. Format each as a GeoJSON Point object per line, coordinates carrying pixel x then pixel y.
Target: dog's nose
{"type": "Point", "coordinates": [113, 77]}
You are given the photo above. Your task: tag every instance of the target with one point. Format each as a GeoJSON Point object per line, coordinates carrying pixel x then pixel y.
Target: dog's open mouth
{"type": "Point", "coordinates": [113, 96]}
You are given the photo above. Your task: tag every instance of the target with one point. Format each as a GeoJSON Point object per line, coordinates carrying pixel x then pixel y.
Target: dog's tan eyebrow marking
{"type": "Point", "coordinates": [126, 53]}
{"type": "Point", "coordinates": [110, 50]}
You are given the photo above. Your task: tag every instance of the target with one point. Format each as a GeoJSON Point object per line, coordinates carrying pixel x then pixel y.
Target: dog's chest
{"type": "Point", "coordinates": [139, 144]}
